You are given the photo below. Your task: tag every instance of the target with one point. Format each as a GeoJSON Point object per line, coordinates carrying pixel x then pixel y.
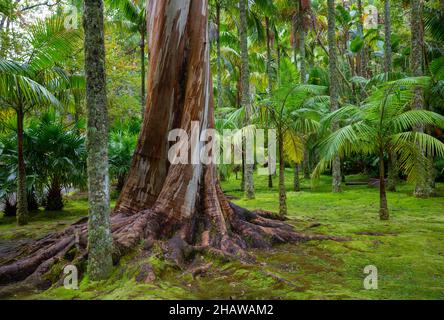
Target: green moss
{"type": "Point", "coordinates": [407, 251]}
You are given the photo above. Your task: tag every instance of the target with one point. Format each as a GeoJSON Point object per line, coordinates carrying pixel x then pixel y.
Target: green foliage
{"type": "Point", "coordinates": [54, 155]}
{"type": "Point", "coordinates": [385, 122]}
{"type": "Point", "coordinates": [123, 139]}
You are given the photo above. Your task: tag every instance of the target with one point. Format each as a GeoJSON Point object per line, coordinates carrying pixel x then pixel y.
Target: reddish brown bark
{"type": "Point", "coordinates": [181, 207]}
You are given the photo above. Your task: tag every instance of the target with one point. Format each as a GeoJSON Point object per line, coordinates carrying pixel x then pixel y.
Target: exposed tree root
{"type": "Point", "coordinates": [245, 229]}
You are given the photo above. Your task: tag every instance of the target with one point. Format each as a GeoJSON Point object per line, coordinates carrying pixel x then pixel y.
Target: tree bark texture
{"type": "Point", "coordinates": [334, 90]}
{"type": "Point", "coordinates": [99, 229]}
{"type": "Point", "coordinates": [246, 101]}
{"type": "Point", "coordinates": [422, 188]}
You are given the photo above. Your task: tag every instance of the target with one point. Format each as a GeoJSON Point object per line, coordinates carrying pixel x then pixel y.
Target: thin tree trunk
{"type": "Point", "coordinates": [142, 73]}
{"type": "Point", "coordinates": [302, 69]}
{"type": "Point", "coordinates": [301, 29]}
{"type": "Point", "coordinates": [334, 81]}
{"type": "Point", "coordinates": [99, 232]}
{"type": "Point", "coordinates": [282, 191]}
{"type": "Point", "coordinates": [393, 158]}
{"type": "Point", "coordinates": [246, 103]}
{"type": "Point", "coordinates": [306, 163]}
{"type": "Point", "coordinates": [22, 205]}
{"type": "Point", "coordinates": [296, 180]}
{"type": "Point", "coordinates": [422, 188]}
{"type": "Point", "coordinates": [219, 57]}
{"type": "Point", "coordinates": [270, 87]}
{"type": "Point", "coordinates": [383, 209]}
{"type": "Point", "coordinates": [360, 56]}
{"type": "Point", "coordinates": [388, 37]}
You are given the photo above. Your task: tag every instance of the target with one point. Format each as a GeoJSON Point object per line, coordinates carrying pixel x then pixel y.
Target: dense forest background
{"type": "Point", "coordinates": [353, 88]}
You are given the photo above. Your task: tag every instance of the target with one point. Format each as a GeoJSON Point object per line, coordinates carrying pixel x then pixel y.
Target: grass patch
{"type": "Point", "coordinates": [407, 250]}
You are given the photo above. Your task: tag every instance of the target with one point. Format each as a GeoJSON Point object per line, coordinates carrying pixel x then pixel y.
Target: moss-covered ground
{"type": "Point", "coordinates": [408, 251]}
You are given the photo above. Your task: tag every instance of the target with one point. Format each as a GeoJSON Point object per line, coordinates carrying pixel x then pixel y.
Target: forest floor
{"type": "Point", "coordinates": [408, 251]}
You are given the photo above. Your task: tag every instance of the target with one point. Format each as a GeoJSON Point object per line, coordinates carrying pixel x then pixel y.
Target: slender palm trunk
{"type": "Point", "coordinates": [393, 171]}
{"type": "Point", "coordinates": [182, 209]}
{"type": "Point", "coordinates": [360, 57]}
{"type": "Point", "coordinates": [22, 205]}
{"type": "Point", "coordinates": [270, 86]}
{"type": "Point", "coordinates": [296, 180]}
{"type": "Point", "coordinates": [282, 192]}
{"type": "Point", "coordinates": [142, 73]}
{"type": "Point", "coordinates": [301, 29]}
{"type": "Point", "coordinates": [383, 209]}
{"type": "Point", "coordinates": [246, 103]}
{"type": "Point", "coordinates": [219, 57]}
{"type": "Point", "coordinates": [100, 242]}
{"type": "Point", "coordinates": [334, 103]}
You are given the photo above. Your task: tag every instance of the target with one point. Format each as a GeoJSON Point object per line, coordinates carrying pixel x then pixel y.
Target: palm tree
{"type": "Point", "coordinates": [122, 143]}
{"type": "Point", "coordinates": [385, 123]}
{"type": "Point", "coordinates": [424, 187]}
{"type": "Point", "coordinates": [334, 104]}
{"type": "Point", "coordinates": [294, 111]}
{"type": "Point", "coordinates": [57, 156]}
{"type": "Point", "coordinates": [392, 163]}
{"type": "Point", "coordinates": [246, 100]}
{"type": "Point", "coordinates": [132, 17]}
{"type": "Point", "coordinates": [23, 81]}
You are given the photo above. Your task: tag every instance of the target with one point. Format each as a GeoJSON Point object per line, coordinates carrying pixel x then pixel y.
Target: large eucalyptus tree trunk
{"type": "Point", "coordinates": [334, 89]}
{"type": "Point", "coordinates": [246, 101]}
{"type": "Point", "coordinates": [178, 207]}
{"type": "Point", "coordinates": [423, 187]}
{"type": "Point", "coordinates": [99, 233]}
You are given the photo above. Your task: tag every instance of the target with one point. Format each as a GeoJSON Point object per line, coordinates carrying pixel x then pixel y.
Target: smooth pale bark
{"type": "Point", "coordinates": [99, 231]}
{"type": "Point", "coordinates": [334, 82]}
{"type": "Point", "coordinates": [22, 205]}
{"type": "Point", "coordinates": [423, 187]}
{"type": "Point", "coordinates": [246, 102]}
